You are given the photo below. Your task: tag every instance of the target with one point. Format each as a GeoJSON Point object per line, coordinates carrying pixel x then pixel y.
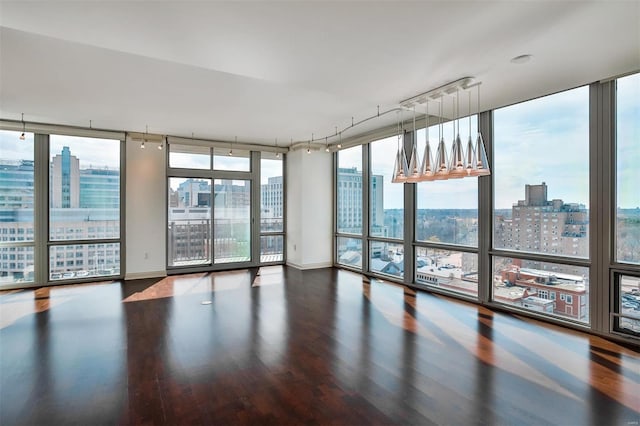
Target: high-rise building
{"type": "Point", "coordinates": [65, 180]}
{"type": "Point", "coordinates": [349, 212]}
{"type": "Point", "coordinates": [271, 204]}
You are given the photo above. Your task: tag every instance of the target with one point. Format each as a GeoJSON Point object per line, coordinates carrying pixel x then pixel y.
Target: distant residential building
{"type": "Point", "coordinates": [559, 293]}
{"type": "Point", "coordinates": [542, 226]}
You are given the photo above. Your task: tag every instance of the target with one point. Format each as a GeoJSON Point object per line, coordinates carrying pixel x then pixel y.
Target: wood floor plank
{"type": "Point", "coordinates": [318, 347]}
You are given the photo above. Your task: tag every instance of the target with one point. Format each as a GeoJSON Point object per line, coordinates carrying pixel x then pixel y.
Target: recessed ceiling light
{"type": "Point", "coordinates": [522, 59]}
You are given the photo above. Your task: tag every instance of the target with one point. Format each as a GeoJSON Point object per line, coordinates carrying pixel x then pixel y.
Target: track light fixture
{"type": "Point", "coordinates": [231, 148]}
{"type": "Point", "coordinates": [22, 136]}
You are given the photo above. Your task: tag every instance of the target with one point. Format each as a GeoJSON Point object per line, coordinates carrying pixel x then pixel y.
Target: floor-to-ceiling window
{"type": "Point", "coordinates": [626, 263]}
{"type": "Point", "coordinates": [60, 206]}
{"type": "Point", "coordinates": [386, 210]}
{"type": "Point", "coordinates": [271, 208]}
{"type": "Point", "coordinates": [84, 207]}
{"type": "Point", "coordinates": [446, 228]}
{"type": "Point", "coordinates": [541, 205]}
{"type": "Point", "coordinates": [349, 181]}
{"type": "Point", "coordinates": [17, 190]}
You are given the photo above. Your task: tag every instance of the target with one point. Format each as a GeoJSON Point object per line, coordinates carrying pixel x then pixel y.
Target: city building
{"type": "Point", "coordinates": [540, 225]}
{"type": "Point", "coordinates": [271, 199]}
{"type": "Point", "coordinates": [84, 205]}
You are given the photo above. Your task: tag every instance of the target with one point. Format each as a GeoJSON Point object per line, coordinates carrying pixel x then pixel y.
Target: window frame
{"type": "Point", "coordinates": [253, 176]}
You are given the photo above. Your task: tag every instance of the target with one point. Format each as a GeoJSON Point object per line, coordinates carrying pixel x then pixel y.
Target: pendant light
{"type": "Point", "coordinates": [414, 163]}
{"type": "Point", "coordinates": [277, 152]}
{"type": "Point", "coordinates": [442, 167]}
{"type": "Point", "coordinates": [326, 145]}
{"type": "Point", "coordinates": [470, 161]}
{"type": "Point", "coordinates": [482, 163]}
{"type": "Point", "coordinates": [400, 166]}
{"type": "Point", "coordinates": [426, 169]}
{"type": "Point", "coordinates": [456, 166]}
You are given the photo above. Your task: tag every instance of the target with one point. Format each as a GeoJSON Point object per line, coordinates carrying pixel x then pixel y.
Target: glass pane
{"type": "Point", "coordinates": [349, 191]}
{"type": "Point", "coordinates": [239, 160]}
{"type": "Point", "coordinates": [350, 251]}
{"type": "Point", "coordinates": [271, 248]}
{"type": "Point", "coordinates": [629, 303]}
{"type": "Point", "coordinates": [447, 210]}
{"type": "Point", "coordinates": [84, 260]}
{"type": "Point", "coordinates": [446, 269]}
{"type": "Point", "coordinates": [271, 201]}
{"type": "Point", "coordinates": [549, 288]}
{"type": "Point", "coordinates": [84, 188]}
{"type": "Point", "coordinates": [16, 265]}
{"type": "Point", "coordinates": [232, 221]}
{"type": "Point", "coordinates": [628, 172]}
{"type": "Point", "coordinates": [541, 175]}
{"type": "Point", "coordinates": [16, 187]}
{"type": "Point", "coordinates": [386, 198]}
{"type": "Point", "coordinates": [189, 222]}
{"type": "Point", "coordinates": [189, 156]}
{"type": "Point", "coordinates": [386, 258]}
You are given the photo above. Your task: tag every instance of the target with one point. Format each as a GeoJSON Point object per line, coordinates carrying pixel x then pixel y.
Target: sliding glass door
{"type": "Point", "coordinates": [224, 208]}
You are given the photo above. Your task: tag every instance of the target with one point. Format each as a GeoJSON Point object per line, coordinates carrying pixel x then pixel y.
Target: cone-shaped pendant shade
{"type": "Point", "coordinates": [414, 165]}
{"type": "Point", "coordinates": [400, 168]}
{"type": "Point", "coordinates": [482, 164]}
{"type": "Point", "coordinates": [456, 167]}
{"type": "Point", "coordinates": [442, 168]}
{"type": "Point", "coordinates": [427, 167]}
{"type": "Point", "coordinates": [470, 161]}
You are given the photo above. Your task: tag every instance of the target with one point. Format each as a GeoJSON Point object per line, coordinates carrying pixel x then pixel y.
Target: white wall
{"type": "Point", "coordinates": [145, 211]}
{"type": "Point", "coordinates": [309, 209]}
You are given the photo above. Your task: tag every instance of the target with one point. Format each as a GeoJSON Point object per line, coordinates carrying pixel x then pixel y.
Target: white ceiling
{"type": "Point", "coordinates": [266, 70]}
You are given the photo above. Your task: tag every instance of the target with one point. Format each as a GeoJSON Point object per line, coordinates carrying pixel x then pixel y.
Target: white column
{"type": "Point", "coordinates": [309, 209]}
{"type": "Point", "coordinates": [146, 211]}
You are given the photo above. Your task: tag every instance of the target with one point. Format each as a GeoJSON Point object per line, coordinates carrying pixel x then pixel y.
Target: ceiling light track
{"type": "Point", "coordinates": [409, 104]}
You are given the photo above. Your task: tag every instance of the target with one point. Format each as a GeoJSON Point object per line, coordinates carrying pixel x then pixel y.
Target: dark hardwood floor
{"type": "Point", "coordinates": [293, 347]}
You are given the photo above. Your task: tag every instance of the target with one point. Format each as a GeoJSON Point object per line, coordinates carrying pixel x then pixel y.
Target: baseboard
{"type": "Point", "coordinates": [143, 275]}
{"type": "Point", "coordinates": [310, 265]}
